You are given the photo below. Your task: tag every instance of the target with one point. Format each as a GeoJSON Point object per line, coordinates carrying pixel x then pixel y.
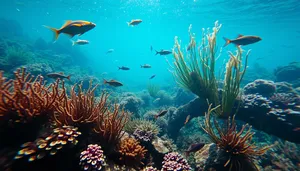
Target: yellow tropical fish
{"type": "Point", "coordinates": [73, 28]}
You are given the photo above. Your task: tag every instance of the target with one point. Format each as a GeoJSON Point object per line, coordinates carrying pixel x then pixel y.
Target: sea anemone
{"type": "Point", "coordinates": [59, 138]}
{"type": "Point", "coordinates": [132, 153]}
{"type": "Point", "coordinates": [174, 161]}
{"type": "Point", "coordinates": [236, 146]}
{"type": "Point", "coordinates": [92, 158]}
{"type": "Point", "coordinates": [146, 130]}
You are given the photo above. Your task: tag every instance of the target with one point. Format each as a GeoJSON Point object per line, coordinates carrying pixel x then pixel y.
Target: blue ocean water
{"type": "Point", "coordinates": [276, 22]}
{"type": "Point", "coordinates": [271, 105]}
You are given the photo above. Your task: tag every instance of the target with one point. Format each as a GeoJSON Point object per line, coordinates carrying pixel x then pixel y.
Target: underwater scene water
{"type": "Point", "coordinates": [148, 85]}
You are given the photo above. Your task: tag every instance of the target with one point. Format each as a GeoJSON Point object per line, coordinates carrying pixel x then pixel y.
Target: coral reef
{"type": "Point", "coordinates": [92, 158]}
{"type": "Point", "coordinates": [149, 168]}
{"type": "Point", "coordinates": [174, 161]}
{"type": "Point", "coordinates": [38, 68]}
{"type": "Point", "coordinates": [132, 153]}
{"type": "Point", "coordinates": [263, 87]}
{"type": "Point", "coordinates": [59, 138]}
{"type": "Point", "coordinates": [289, 73]}
{"type": "Point", "coordinates": [131, 103]}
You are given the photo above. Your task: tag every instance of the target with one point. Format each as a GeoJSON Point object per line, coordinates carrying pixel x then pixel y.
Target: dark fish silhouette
{"type": "Point", "coordinates": [113, 83]}
{"type": "Point", "coordinates": [73, 28]}
{"type": "Point", "coordinates": [242, 40]}
{"type": "Point", "coordinates": [124, 68]}
{"type": "Point", "coordinates": [151, 48]}
{"type": "Point", "coordinates": [163, 52]}
{"type": "Point", "coordinates": [59, 75]}
{"type": "Point", "coordinates": [146, 66]}
{"type": "Point", "coordinates": [194, 148]}
{"type": "Point", "coordinates": [161, 113]}
{"type": "Point", "coordinates": [152, 77]}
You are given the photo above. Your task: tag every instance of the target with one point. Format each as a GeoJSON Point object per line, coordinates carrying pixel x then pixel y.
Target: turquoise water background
{"type": "Point", "coordinates": [277, 22]}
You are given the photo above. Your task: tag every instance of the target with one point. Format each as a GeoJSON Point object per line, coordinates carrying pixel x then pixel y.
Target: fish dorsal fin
{"type": "Point", "coordinates": [240, 35]}
{"type": "Point", "coordinates": [66, 23]}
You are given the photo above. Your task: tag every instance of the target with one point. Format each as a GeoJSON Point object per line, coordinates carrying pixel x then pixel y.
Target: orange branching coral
{"type": "Point", "coordinates": [110, 123]}
{"type": "Point", "coordinates": [79, 108]}
{"type": "Point", "coordinates": [237, 145]}
{"type": "Point", "coordinates": [132, 153]}
{"type": "Point", "coordinates": [25, 97]}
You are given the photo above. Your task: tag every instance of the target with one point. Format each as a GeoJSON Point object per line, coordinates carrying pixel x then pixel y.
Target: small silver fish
{"type": "Point", "coordinates": [79, 42]}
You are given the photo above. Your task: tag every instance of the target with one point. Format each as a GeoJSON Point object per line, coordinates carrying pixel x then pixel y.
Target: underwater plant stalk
{"type": "Point", "coordinates": [196, 70]}
{"type": "Point", "coordinates": [233, 77]}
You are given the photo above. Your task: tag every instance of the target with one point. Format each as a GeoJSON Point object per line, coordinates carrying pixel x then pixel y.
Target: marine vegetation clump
{"type": "Point", "coordinates": [195, 70]}
{"type": "Point", "coordinates": [236, 146]}
{"type": "Point", "coordinates": [132, 153]}
{"type": "Point", "coordinates": [233, 76]}
{"type": "Point", "coordinates": [153, 89]}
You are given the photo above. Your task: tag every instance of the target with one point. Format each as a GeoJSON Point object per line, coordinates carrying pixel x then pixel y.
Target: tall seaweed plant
{"type": "Point", "coordinates": [195, 71]}
{"type": "Point", "coordinates": [233, 77]}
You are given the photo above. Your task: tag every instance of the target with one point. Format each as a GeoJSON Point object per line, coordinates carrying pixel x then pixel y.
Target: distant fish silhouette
{"type": "Point", "coordinates": [110, 51]}
{"type": "Point", "coordinates": [151, 48]}
{"type": "Point", "coordinates": [152, 77]}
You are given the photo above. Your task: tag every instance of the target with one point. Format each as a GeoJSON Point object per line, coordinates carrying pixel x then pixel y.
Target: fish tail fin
{"type": "Point", "coordinates": [55, 31]}
{"type": "Point", "coordinates": [69, 77]}
{"type": "Point", "coordinates": [119, 68]}
{"type": "Point", "coordinates": [155, 116]}
{"type": "Point", "coordinates": [156, 52]}
{"type": "Point", "coordinates": [73, 42]}
{"type": "Point", "coordinates": [141, 66]}
{"type": "Point", "coordinates": [128, 23]}
{"type": "Point", "coordinates": [227, 41]}
{"type": "Point", "coordinates": [104, 81]}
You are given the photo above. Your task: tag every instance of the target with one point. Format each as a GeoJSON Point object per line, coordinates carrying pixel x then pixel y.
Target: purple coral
{"type": "Point", "coordinates": [92, 158]}
{"type": "Point", "coordinates": [256, 100]}
{"type": "Point", "coordinates": [285, 100]}
{"type": "Point", "coordinates": [143, 134]}
{"type": "Point", "coordinates": [263, 87]}
{"type": "Point", "coordinates": [175, 162]}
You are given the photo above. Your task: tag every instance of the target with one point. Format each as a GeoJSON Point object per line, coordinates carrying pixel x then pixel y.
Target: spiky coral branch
{"type": "Point", "coordinates": [195, 71]}
{"type": "Point", "coordinates": [26, 97]}
{"type": "Point", "coordinates": [110, 123]}
{"type": "Point", "coordinates": [79, 108]}
{"type": "Point", "coordinates": [233, 77]}
{"type": "Point", "coordinates": [236, 144]}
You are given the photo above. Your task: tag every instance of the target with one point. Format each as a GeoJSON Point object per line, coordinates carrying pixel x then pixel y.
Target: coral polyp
{"type": "Point", "coordinates": [174, 161]}
{"type": "Point", "coordinates": [92, 158]}
{"type": "Point", "coordinates": [50, 144]}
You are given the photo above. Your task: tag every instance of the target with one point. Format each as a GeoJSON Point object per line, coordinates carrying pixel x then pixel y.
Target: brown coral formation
{"type": "Point", "coordinates": [25, 97]}
{"type": "Point", "coordinates": [132, 153]}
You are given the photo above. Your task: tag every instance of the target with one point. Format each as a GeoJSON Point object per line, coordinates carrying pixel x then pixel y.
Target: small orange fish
{"type": "Point", "coordinates": [187, 119]}
{"type": "Point", "coordinates": [161, 113]}
{"type": "Point", "coordinates": [73, 28]}
{"type": "Point", "coordinates": [113, 83]}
